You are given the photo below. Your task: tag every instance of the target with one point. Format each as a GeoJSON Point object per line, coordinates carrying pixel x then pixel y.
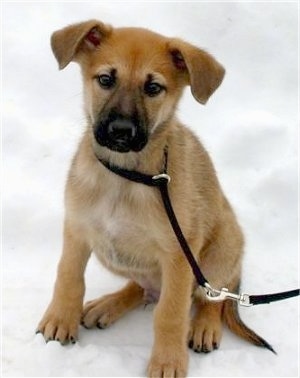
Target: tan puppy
{"type": "Point", "coordinates": [133, 79]}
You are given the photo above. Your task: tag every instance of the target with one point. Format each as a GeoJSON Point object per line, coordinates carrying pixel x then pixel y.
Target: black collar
{"type": "Point", "coordinates": [141, 178]}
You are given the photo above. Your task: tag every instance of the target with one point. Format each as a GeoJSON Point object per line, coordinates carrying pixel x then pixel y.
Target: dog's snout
{"type": "Point", "coordinates": [122, 129]}
{"type": "Point", "coordinates": [121, 133]}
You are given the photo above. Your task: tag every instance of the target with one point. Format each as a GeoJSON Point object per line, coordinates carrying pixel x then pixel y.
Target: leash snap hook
{"type": "Point", "coordinates": [215, 295]}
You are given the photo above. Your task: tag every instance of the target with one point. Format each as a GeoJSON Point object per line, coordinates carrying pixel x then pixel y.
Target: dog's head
{"type": "Point", "coordinates": [133, 79]}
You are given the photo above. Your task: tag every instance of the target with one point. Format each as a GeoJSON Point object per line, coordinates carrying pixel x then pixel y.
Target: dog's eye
{"type": "Point", "coordinates": [106, 81]}
{"type": "Point", "coordinates": [153, 89]}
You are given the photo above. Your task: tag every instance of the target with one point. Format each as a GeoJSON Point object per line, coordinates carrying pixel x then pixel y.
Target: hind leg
{"type": "Point", "coordinates": [206, 326]}
{"type": "Point", "coordinates": [104, 311]}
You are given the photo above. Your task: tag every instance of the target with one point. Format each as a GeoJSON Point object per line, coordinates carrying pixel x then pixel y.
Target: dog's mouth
{"type": "Point", "coordinates": [124, 146]}
{"type": "Point", "coordinates": [120, 134]}
{"type": "Point", "coordinates": [119, 147]}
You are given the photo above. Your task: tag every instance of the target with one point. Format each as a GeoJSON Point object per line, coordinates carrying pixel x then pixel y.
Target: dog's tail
{"type": "Point", "coordinates": [232, 319]}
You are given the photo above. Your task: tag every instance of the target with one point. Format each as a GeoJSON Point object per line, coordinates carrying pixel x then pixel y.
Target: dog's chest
{"type": "Point", "coordinates": [117, 213]}
{"type": "Point", "coordinates": [123, 229]}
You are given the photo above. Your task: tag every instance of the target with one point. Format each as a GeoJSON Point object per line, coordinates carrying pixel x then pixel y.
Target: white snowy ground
{"type": "Point", "coordinates": [250, 129]}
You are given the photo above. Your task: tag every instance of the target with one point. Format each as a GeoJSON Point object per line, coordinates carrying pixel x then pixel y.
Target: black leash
{"type": "Point", "coordinates": [161, 182]}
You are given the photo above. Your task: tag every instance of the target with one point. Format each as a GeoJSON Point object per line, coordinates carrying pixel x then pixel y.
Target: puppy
{"type": "Point", "coordinates": [133, 79]}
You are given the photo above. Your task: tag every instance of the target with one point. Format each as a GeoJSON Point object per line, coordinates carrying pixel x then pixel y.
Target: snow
{"type": "Point", "coordinates": [250, 129]}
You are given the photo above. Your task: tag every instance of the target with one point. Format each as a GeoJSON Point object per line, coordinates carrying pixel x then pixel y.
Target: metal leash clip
{"type": "Point", "coordinates": [214, 295]}
{"type": "Point", "coordinates": [163, 176]}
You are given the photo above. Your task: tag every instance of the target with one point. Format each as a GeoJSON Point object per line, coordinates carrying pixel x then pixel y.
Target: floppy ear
{"type": "Point", "coordinates": [204, 73]}
{"type": "Point", "coordinates": [66, 43]}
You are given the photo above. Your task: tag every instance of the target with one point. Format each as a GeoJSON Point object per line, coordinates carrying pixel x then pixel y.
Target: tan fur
{"type": "Point", "coordinates": [124, 223]}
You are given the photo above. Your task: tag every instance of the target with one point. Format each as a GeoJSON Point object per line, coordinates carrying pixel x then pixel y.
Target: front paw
{"type": "Point", "coordinates": [168, 363]}
{"type": "Point", "coordinates": [60, 323]}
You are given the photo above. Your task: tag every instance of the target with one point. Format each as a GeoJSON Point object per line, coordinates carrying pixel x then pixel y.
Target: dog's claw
{"type": "Point", "coordinates": [84, 325]}
{"type": "Point", "coordinates": [101, 326]}
{"type": "Point", "coordinates": [204, 349]}
{"type": "Point", "coordinates": [73, 340]}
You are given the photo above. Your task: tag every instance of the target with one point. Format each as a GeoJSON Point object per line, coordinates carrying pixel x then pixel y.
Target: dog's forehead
{"type": "Point", "coordinates": [134, 50]}
{"type": "Point", "coordinates": [131, 36]}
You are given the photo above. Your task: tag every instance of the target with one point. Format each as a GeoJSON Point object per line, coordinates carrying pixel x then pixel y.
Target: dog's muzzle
{"type": "Point", "coordinates": [120, 133]}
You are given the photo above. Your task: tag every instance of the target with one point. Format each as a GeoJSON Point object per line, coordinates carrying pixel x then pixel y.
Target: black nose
{"type": "Point", "coordinates": [121, 133]}
{"type": "Point", "coordinates": [121, 130]}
